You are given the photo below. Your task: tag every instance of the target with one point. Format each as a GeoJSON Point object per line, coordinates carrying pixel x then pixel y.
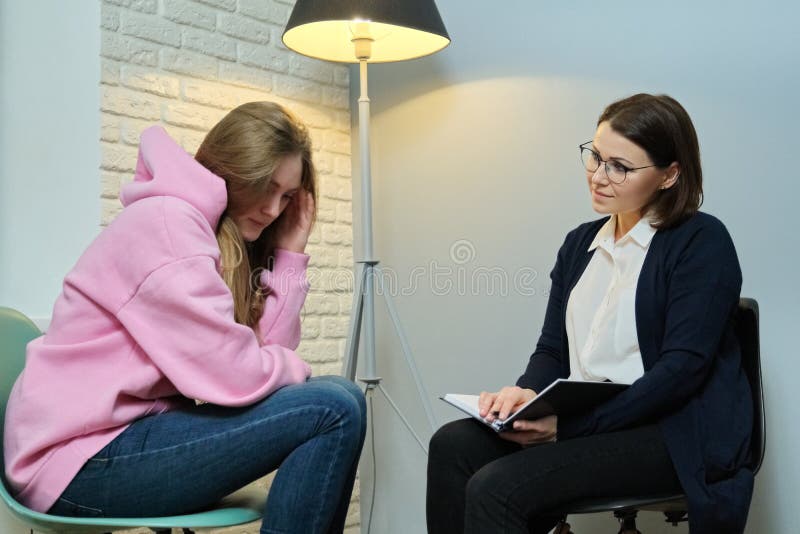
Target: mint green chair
{"type": "Point", "coordinates": [244, 506]}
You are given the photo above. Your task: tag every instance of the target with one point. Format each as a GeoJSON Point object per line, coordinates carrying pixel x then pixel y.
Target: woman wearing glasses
{"type": "Point", "coordinates": [644, 296]}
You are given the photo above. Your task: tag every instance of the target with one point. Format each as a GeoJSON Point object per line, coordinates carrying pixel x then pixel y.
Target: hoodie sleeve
{"type": "Point", "coordinates": [182, 317]}
{"type": "Point", "coordinates": [287, 288]}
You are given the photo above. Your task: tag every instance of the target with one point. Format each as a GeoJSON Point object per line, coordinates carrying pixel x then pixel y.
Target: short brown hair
{"type": "Point", "coordinates": [662, 128]}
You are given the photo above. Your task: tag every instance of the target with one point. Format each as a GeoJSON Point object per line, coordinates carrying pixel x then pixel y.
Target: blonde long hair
{"type": "Point", "coordinates": [244, 149]}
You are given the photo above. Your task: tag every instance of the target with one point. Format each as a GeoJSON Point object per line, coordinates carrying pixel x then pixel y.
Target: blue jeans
{"type": "Point", "coordinates": [184, 460]}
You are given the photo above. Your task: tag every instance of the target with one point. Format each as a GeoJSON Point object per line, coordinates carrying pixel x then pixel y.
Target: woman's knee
{"type": "Point", "coordinates": [347, 385]}
{"type": "Point", "coordinates": [485, 489]}
{"type": "Point", "coordinates": [345, 409]}
{"type": "Point", "coordinates": [450, 438]}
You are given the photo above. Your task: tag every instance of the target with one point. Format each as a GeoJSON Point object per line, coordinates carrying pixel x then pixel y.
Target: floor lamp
{"type": "Point", "coordinates": [362, 31]}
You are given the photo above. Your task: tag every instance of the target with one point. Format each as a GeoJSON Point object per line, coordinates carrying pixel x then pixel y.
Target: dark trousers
{"type": "Point", "coordinates": [480, 483]}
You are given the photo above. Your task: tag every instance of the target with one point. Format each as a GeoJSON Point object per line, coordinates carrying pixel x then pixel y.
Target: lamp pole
{"type": "Point", "coordinates": [405, 30]}
{"type": "Point", "coordinates": [368, 275]}
{"type": "Point", "coordinates": [363, 50]}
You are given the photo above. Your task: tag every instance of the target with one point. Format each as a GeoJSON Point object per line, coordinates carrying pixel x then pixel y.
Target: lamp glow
{"type": "Point", "coordinates": [400, 30]}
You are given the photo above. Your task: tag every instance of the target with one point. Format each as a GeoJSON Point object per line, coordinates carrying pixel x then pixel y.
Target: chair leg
{"type": "Point", "coordinates": [676, 517]}
{"type": "Point", "coordinates": [627, 521]}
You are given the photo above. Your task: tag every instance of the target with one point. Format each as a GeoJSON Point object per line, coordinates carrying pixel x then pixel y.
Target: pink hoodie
{"type": "Point", "coordinates": [144, 323]}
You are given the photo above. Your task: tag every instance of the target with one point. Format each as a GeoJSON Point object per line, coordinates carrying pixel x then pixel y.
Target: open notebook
{"type": "Point", "coordinates": [562, 397]}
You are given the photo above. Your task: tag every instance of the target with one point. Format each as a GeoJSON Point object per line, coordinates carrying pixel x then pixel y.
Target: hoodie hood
{"type": "Point", "coordinates": [165, 169]}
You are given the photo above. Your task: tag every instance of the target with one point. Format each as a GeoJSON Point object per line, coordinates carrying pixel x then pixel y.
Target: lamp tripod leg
{"type": "Point", "coordinates": [406, 348]}
{"type": "Point", "coordinates": [351, 348]}
{"type": "Point", "coordinates": [363, 270]}
{"type": "Point", "coordinates": [402, 417]}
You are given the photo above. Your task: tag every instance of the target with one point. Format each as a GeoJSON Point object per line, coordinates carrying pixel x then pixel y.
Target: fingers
{"type": "Point", "coordinates": [485, 402]}
{"type": "Point", "coordinates": [497, 403]}
{"type": "Point", "coordinates": [510, 401]}
{"type": "Point", "coordinates": [491, 403]}
{"type": "Point", "coordinates": [304, 204]}
{"type": "Point", "coordinates": [538, 430]}
{"type": "Point", "coordinates": [503, 403]}
{"type": "Point", "coordinates": [309, 205]}
{"type": "Point", "coordinates": [529, 426]}
{"type": "Point", "coordinates": [305, 201]}
{"type": "Point", "coordinates": [309, 198]}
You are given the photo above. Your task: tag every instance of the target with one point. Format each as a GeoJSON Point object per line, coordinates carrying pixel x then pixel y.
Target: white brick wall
{"type": "Point", "coordinates": [184, 64]}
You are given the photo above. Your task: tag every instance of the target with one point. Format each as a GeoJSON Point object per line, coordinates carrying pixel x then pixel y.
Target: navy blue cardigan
{"type": "Point", "coordinates": [694, 386]}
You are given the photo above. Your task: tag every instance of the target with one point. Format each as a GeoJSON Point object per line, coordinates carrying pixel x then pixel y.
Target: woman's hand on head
{"type": "Point", "coordinates": [503, 403]}
{"type": "Point", "coordinates": [533, 432]}
{"type": "Point", "coordinates": [295, 223]}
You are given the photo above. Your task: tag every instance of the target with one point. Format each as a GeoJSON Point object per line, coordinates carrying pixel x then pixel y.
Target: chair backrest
{"type": "Point", "coordinates": [748, 333]}
{"type": "Point", "coordinates": [16, 331]}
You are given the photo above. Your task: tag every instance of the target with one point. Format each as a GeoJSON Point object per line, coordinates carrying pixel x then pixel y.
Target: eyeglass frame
{"type": "Point", "coordinates": [600, 160]}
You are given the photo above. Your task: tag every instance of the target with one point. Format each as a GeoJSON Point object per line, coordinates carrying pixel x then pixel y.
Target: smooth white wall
{"type": "Point", "coordinates": [475, 152]}
{"type": "Point", "coordinates": [49, 151]}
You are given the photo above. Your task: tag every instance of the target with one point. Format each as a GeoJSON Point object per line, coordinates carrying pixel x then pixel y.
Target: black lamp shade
{"type": "Point", "coordinates": [400, 29]}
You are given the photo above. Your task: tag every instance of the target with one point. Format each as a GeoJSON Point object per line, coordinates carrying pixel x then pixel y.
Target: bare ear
{"type": "Point", "coordinates": [671, 175]}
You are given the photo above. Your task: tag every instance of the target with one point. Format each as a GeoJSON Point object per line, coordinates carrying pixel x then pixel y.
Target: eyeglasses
{"type": "Point", "coordinates": [616, 171]}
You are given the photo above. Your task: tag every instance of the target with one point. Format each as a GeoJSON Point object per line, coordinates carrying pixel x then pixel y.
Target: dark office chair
{"type": "Point", "coordinates": [674, 506]}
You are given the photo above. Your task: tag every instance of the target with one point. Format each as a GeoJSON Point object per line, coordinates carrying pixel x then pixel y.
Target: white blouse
{"type": "Point", "coordinates": [601, 314]}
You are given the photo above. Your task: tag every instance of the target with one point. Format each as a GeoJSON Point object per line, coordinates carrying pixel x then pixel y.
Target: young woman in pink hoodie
{"type": "Point", "coordinates": [193, 293]}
